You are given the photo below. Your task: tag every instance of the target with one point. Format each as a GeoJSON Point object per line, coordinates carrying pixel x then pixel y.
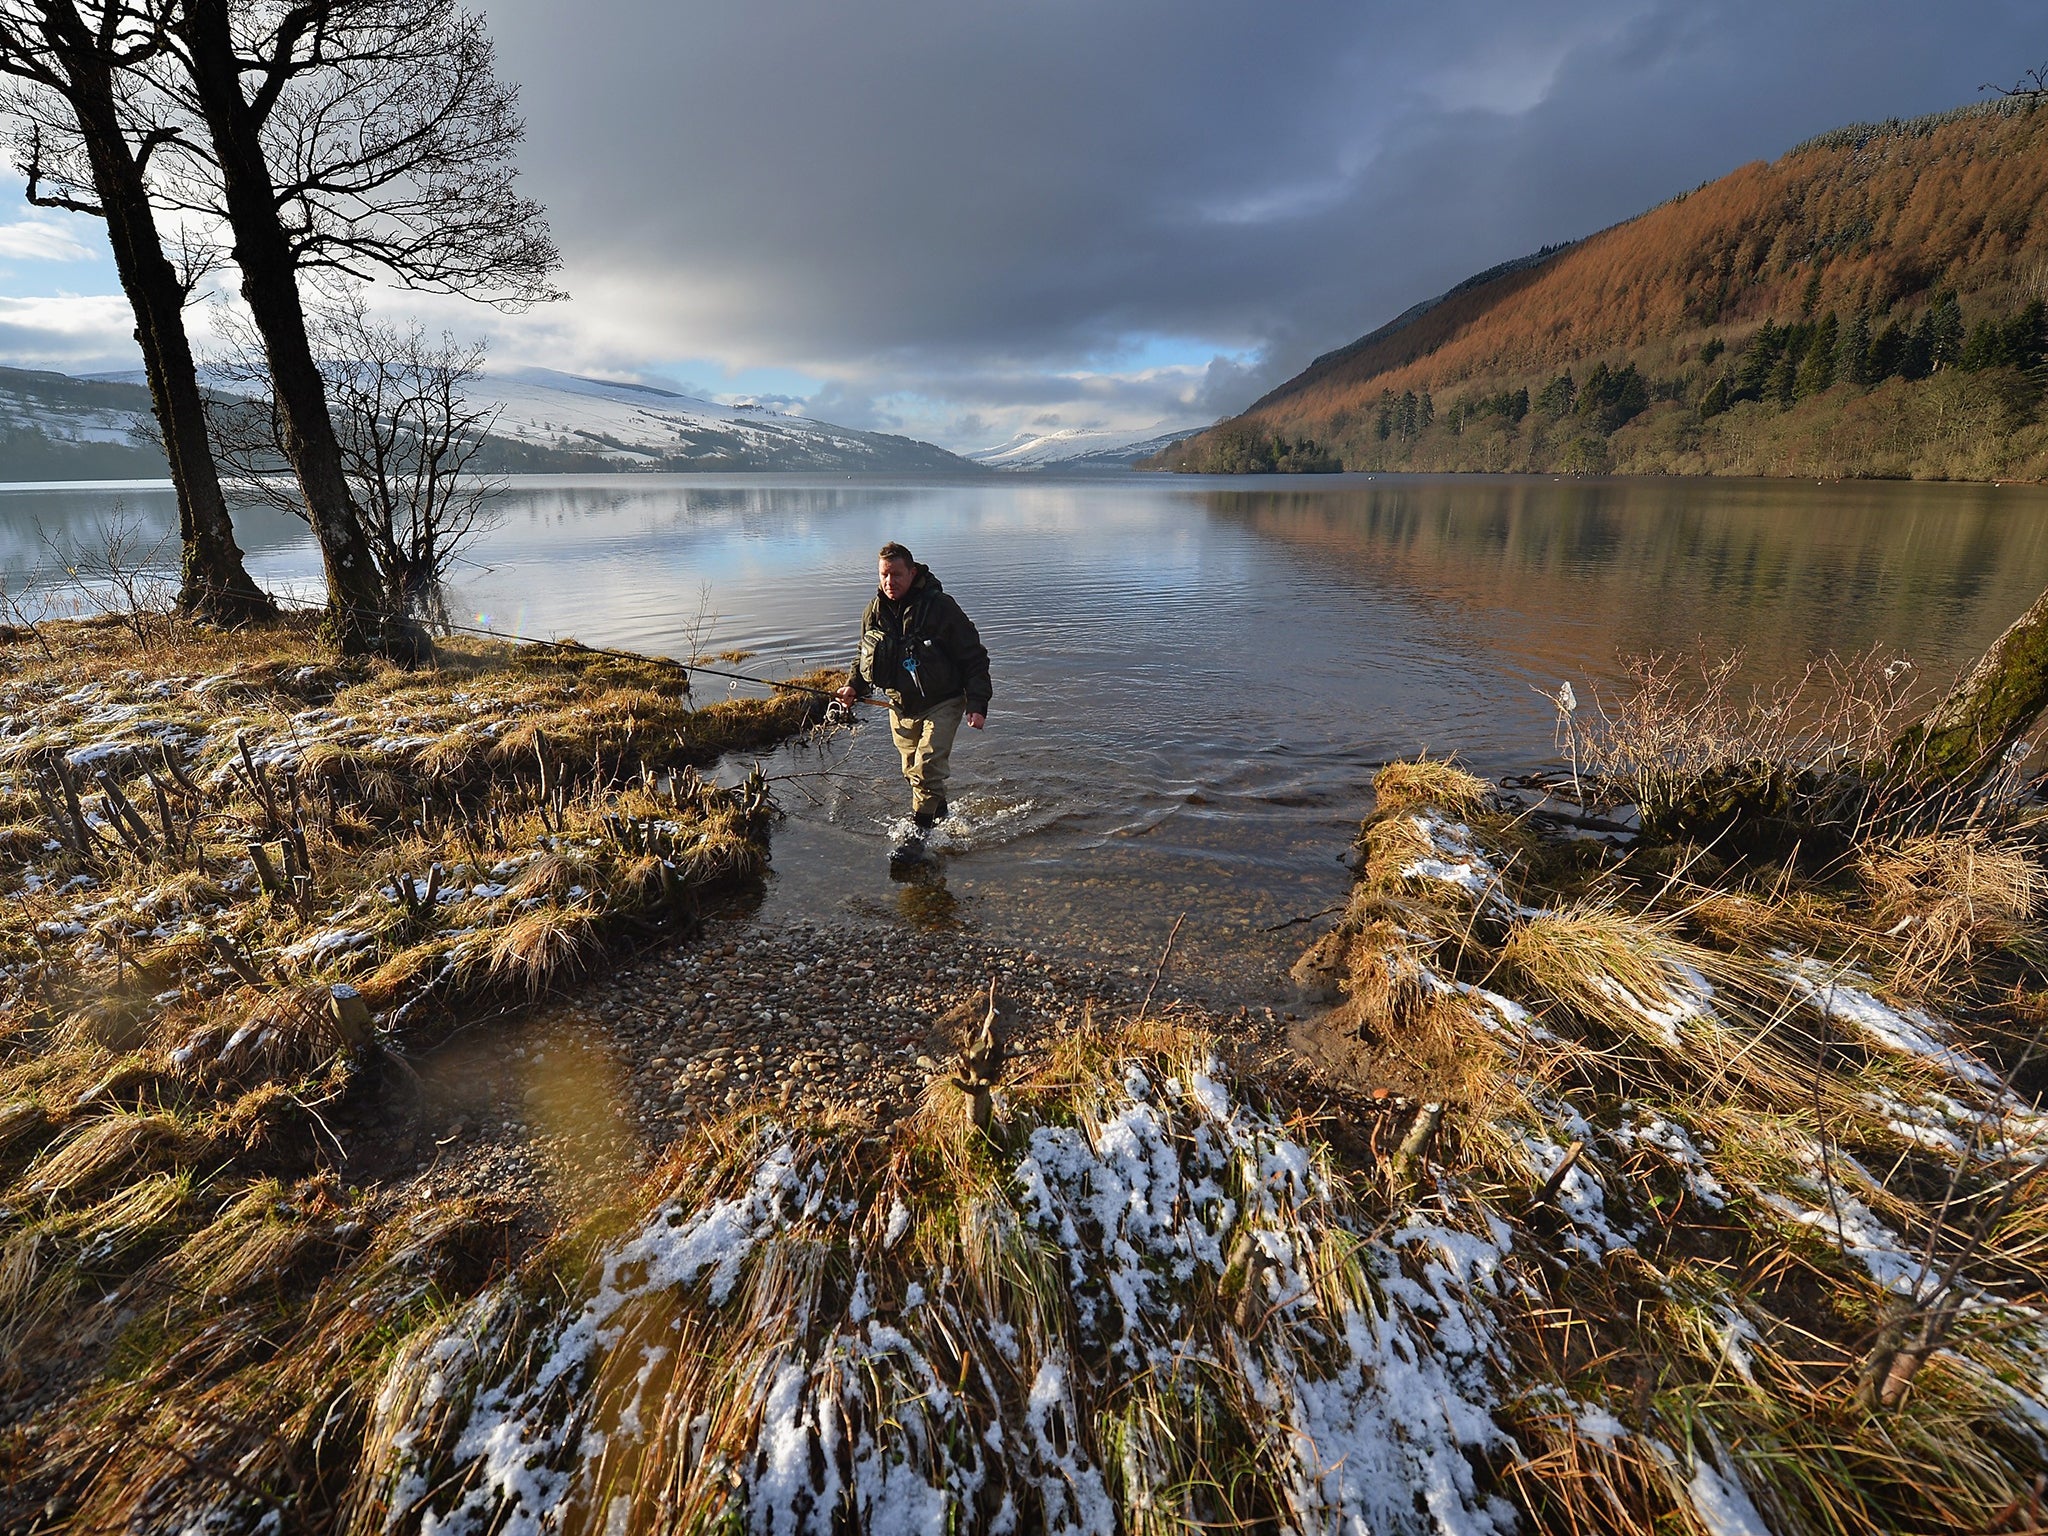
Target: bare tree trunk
{"type": "Point", "coordinates": [1968, 733]}
{"type": "Point", "coordinates": [213, 582]}
{"type": "Point", "coordinates": [359, 616]}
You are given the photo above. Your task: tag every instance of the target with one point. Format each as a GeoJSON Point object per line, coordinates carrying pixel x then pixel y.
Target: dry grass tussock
{"type": "Point", "coordinates": [237, 873]}
{"type": "Point", "coordinates": [1431, 782]}
{"type": "Point", "coordinates": [1952, 896]}
{"type": "Point", "coordinates": [1145, 1298]}
{"type": "Point", "coordinates": [1767, 1137]}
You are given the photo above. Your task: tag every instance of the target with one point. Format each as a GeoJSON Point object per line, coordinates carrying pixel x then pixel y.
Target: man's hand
{"type": "Point", "coordinates": [977, 719]}
{"type": "Point", "coordinates": [847, 696]}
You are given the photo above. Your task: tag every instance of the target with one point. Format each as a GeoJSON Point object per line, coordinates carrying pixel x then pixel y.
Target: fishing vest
{"type": "Point", "coordinates": [906, 659]}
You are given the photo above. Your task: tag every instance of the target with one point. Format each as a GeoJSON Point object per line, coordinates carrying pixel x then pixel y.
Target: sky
{"type": "Point", "coordinates": [968, 222]}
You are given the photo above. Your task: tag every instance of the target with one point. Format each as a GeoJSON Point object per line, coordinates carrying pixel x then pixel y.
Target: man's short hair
{"type": "Point", "coordinates": [894, 551]}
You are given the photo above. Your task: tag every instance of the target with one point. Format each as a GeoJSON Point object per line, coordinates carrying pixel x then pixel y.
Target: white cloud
{"type": "Point", "coordinates": [71, 332]}
{"type": "Point", "coordinates": [42, 238]}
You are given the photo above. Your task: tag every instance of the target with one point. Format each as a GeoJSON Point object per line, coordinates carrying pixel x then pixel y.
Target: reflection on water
{"type": "Point", "coordinates": [1579, 570]}
{"type": "Point", "coordinates": [922, 899]}
{"type": "Point", "coordinates": [1196, 678]}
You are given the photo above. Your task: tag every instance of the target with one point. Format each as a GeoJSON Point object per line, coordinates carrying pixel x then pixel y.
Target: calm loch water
{"type": "Point", "coordinates": [1194, 678]}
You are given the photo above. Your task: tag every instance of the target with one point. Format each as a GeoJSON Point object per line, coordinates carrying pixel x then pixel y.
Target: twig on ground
{"type": "Point", "coordinates": [1160, 969]}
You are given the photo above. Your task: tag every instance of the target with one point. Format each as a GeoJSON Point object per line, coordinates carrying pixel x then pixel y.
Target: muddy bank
{"type": "Point", "coordinates": [568, 1102]}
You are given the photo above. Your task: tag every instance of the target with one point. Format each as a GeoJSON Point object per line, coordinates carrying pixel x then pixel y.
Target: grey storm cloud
{"type": "Point", "coordinates": [982, 206]}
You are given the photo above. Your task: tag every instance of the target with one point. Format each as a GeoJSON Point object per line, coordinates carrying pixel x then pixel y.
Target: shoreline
{"type": "Point", "coordinates": [1590, 1192]}
{"type": "Point", "coordinates": [791, 1016]}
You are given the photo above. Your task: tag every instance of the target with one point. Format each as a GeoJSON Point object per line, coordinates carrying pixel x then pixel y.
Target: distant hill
{"type": "Point", "coordinates": [55, 427]}
{"type": "Point", "coordinates": [1074, 448]}
{"type": "Point", "coordinates": [1871, 303]}
{"type": "Point", "coordinates": [608, 424]}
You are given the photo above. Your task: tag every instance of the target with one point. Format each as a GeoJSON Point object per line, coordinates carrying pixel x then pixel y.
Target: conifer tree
{"type": "Point", "coordinates": [1753, 374]}
{"type": "Point", "coordinates": [1557, 397]}
{"type": "Point", "coordinates": [1852, 351]}
{"type": "Point", "coordinates": [1916, 357]}
{"type": "Point", "coordinates": [1817, 367]}
{"type": "Point", "coordinates": [1779, 385]}
{"type": "Point", "coordinates": [2026, 340]}
{"type": "Point", "coordinates": [1944, 334]}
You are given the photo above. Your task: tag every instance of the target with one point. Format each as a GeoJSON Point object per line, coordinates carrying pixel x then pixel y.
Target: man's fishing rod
{"type": "Point", "coordinates": [598, 650]}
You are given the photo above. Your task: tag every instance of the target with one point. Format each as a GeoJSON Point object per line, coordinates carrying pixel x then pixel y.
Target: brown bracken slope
{"type": "Point", "coordinates": [1875, 222]}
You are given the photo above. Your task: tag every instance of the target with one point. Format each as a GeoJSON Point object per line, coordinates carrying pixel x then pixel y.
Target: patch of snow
{"type": "Point", "coordinates": [1856, 1229]}
{"type": "Point", "coordinates": [1909, 1031]}
{"type": "Point", "coordinates": [327, 943]}
{"type": "Point", "coordinates": [1722, 1503]}
{"type": "Point", "coordinates": [1675, 1144]}
{"type": "Point", "coordinates": [1456, 861]}
{"type": "Point", "coordinates": [899, 1223]}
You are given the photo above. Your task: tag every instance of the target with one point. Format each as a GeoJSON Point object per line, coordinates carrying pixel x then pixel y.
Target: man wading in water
{"type": "Point", "coordinates": [920, 649]}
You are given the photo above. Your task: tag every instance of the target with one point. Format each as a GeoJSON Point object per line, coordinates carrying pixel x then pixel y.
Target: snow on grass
{"type": "Point", "coordinates": [1512, 1016]}
{"type": "Point", "coordinates": [1908, 1031]}
{"type": "Point", "coordinates": [1849, 1225]}
{"type": "Point", "coordinates": [324, 945]}
{"type": "Point", "coordinates": [1675, 1144]}
{"type": "Point", "coordinates": [1718, 1499]}
{"type": "Point", "coordinates": [512, 1445]}
{"type": "Point", "coordinates": [1579, 1195]}
{"type": "Point", "coordinates": [1722, 1503]}
{"type": "Point", "coordinates": [1363, 1365]}
{"type": "Point", "coordinates": [1456, 861]}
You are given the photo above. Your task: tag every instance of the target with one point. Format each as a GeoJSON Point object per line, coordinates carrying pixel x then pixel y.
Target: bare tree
{"type": "Point", "coordinates": [84, 141]}
{"type": "Point", "coordinates": [408, 434]}
{"type": "Point", "coordinates": [2031, 86]}
{"type": "Point", "coordinates": [344, 136]}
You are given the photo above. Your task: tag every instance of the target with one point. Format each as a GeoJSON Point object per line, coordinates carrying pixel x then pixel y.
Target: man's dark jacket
{"type": "Point", "coordinates": [921, 650]}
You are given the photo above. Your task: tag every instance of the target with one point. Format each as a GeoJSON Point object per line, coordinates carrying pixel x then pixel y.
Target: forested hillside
{"type": "Point", "coordinates": [54, 427]}
{"type": "Point", "coordinates": [1870, 304]}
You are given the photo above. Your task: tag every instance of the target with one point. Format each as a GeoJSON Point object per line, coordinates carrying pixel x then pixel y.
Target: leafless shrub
{"type": "Point", "coordinates": [408, 431]}
{"type": "Point", "coordinates": [1687, 726]}
{"type": "Point", "coordinates": [20, 623]}
{"type": "Point", "coordinates": [123, 571]}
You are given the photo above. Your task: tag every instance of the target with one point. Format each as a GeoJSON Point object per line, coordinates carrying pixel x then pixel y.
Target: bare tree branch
{"type": "Point", "coordinates": [409, 433]}
{"type": "Point", "coordinates": [2031, 86]}
{"type": "Point", "coordinates": [389, 139]}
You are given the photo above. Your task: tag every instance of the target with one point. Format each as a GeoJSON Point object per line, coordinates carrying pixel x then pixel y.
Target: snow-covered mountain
{"type": "Point", "coordinates": [639, 426]}
{"type": "Point", "coordinates": [1076, 448]}
{"type": "Point", "coordinates": [55, 427]}
{"type": "Point", "coordinates": [546, 421]}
